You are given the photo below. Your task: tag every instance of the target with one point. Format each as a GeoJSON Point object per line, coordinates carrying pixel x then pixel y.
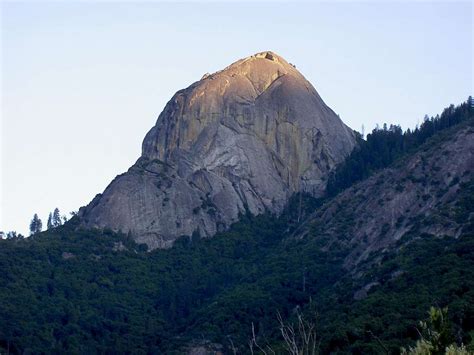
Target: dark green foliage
{"type": "Point", "coordinates": [36, 225]}
{"type": "Point", "coordinates": [14, 235]}
{"type": "Point", "coordinates": [429, 271]}
{"type": "Point", "coordinates": [70, 290]}
{"type": "Point", "coordinates": [57, 294]}
{"type": "Point", "coordinates": [67, 290]}
{"type": "Point", "coordinates": [384, 145]}
{"type": "Point", "coordinates": [436, 332]}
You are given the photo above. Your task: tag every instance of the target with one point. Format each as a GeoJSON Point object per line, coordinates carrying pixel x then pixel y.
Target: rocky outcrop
{"type": "Point", "coordinates": [418, 195]}
{"type": "Point", "coordinates": [244, 138]}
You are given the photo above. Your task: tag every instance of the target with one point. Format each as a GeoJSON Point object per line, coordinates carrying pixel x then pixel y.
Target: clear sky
{"type": "Point", "coordinates": [83, 82]}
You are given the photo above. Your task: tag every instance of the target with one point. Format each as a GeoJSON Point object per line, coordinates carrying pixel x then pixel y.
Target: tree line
{"type": "Point", "coordinates": [384, 145]}
{"type": "Point", "coordinates": [55, 219]}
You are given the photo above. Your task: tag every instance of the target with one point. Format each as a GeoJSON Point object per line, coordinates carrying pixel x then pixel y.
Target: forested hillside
{"type": "Point", "coordinates": [73, 290]}
{"type": "Point", "coordinates": [384, 145]}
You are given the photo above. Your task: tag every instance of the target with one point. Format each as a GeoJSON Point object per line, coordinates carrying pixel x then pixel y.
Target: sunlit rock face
{"type": "Point", "coordinates": [244, 138]}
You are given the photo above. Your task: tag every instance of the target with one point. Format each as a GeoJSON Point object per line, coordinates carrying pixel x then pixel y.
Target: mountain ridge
{"type": "Point", "coordinates": [422, 182]}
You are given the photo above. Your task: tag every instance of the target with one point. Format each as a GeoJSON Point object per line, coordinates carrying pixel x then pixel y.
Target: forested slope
{"type": "Point", "coordinates": [72, 290]}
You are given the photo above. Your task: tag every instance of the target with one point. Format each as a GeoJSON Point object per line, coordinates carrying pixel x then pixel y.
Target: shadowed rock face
{"type": "Point", "coordinates": [248, 136]}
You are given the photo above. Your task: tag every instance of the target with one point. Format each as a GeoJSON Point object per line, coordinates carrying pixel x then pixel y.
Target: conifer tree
{"type": "Point", "coordinates": [56, 218]}
{"type": "Point", "coordinates": [50, 221]}
{"type": "Point", "coordinates": [36, 225]}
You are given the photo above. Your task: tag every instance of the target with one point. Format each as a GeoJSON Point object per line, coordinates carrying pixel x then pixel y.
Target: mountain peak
{"type": "Point", "coordinates": [268, 57]}
{"type": "Point", "coordinates": [260, 70]}
{"type": "Point", "coordinates": [244, 138]}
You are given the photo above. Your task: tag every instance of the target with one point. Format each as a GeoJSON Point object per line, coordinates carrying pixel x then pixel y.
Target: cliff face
{"type": "Point", "coordinates": [246, 137]}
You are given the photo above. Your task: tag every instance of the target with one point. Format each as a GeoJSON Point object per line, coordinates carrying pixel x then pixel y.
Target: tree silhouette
{"type": "Point", "coordinates": [56, 218]}
{"type": "Point", "coordinates": [36, 225]}
{"type": "Point", "coordinates": [50, 221]}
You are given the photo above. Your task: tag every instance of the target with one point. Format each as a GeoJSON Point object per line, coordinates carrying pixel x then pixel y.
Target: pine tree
{"type": "Point", "coordinates": [39, 225]}
{"type": "Point", "coordinates": [56, 218]}
{"type": "Point", "coordinates": [12, 235]}
{"type": "Point", "coordinates": [36, 225]}
{"type": "Point", "coordinates": [50, 221]}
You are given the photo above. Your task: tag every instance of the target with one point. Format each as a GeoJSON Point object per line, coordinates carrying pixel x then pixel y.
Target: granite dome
{"type": "Point", "coordinates": [246, 137]}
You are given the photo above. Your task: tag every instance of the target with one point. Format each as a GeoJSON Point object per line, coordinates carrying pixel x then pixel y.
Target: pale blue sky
{"type": "Point", "coordinates": [83, 82]}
